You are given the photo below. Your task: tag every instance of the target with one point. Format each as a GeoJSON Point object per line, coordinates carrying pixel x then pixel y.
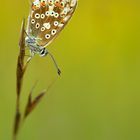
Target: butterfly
{"type": "Point", "coordinates": [46, 20]}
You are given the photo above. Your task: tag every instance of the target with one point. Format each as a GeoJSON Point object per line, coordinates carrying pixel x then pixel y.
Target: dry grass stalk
{"type": "Point", "coordinates": [20, 73]}
{"type": "Point", "coordinates": [31, 103]}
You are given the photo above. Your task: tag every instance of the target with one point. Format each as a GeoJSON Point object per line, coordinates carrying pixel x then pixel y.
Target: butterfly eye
{"type": "Point", "coordinates": [47, 36]}
{"type": "Point", "coordinates": [37, 16]}
{"type": "Point", "coordinates": [56, 15]}
{"type": "Point", "coordinates": [55, 23]}
{"type": "Point", "coordinates": [37, 25]}
{"type": "Point", "coordinates": [42, 29]}
{"type": "Point", "coordinates": [33, 21]}
{"type": "Point", "coordinates": [42, 16]}
{"type": "Point", "coordinates": [47, 13]}
{"type": "Point", "coordinates": [53, 32]}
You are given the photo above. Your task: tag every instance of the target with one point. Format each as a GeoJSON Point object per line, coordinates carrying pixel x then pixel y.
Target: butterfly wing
{"type": "Point", "coordinates": [48, 18]}
{"type": "Point", "coordinates": [33, 26]}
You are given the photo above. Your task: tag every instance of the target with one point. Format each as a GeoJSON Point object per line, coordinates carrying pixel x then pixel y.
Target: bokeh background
{"type": "Point", "coordinates": [98, 95]}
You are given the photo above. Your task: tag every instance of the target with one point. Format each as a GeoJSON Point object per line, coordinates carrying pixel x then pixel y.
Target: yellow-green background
{"type": "Point", "coordinates": [98, 95]}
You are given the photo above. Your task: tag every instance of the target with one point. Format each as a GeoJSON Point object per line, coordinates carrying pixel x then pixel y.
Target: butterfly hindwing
{"type": "Point", "coordinates": [48, 18]}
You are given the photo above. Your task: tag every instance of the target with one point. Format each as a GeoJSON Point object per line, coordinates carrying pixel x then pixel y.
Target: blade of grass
{"type": "Point", "coordinates": [31, 104]}
{"type": "Point", "coordinates": [19, 73]}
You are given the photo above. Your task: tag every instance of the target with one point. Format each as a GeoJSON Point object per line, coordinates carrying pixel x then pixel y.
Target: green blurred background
{"type": "Point", "coordinates": [98, 95]}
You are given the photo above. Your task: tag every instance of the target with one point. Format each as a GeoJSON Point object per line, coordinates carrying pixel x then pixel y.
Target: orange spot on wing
{"type": "Point", "coordinates": [34, 7]}
{"type": "Point", "coordinates": [42, 4]}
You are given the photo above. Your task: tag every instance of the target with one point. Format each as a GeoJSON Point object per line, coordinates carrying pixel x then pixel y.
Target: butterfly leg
{"type": "Point", "coordinates": [58, 70]}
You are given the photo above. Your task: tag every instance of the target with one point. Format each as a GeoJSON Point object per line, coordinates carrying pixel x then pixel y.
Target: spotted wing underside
{"type": "Point", "coordinates": [48, 18]}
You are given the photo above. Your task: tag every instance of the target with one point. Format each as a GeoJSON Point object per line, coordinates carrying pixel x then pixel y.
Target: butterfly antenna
{"type": "Point", "coordinates": [58, 70]}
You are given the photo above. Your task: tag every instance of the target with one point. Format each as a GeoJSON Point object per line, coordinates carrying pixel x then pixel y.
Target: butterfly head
{"type": "Point", "coordinates": [43, 52]}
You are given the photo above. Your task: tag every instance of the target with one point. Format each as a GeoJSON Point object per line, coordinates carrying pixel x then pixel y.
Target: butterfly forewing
{"type": "Point", "coordinates": [48, 18]}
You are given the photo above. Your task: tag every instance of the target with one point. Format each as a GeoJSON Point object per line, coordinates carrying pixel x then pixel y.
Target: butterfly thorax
{"type": "Point", "coordinates": [32, 44]}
